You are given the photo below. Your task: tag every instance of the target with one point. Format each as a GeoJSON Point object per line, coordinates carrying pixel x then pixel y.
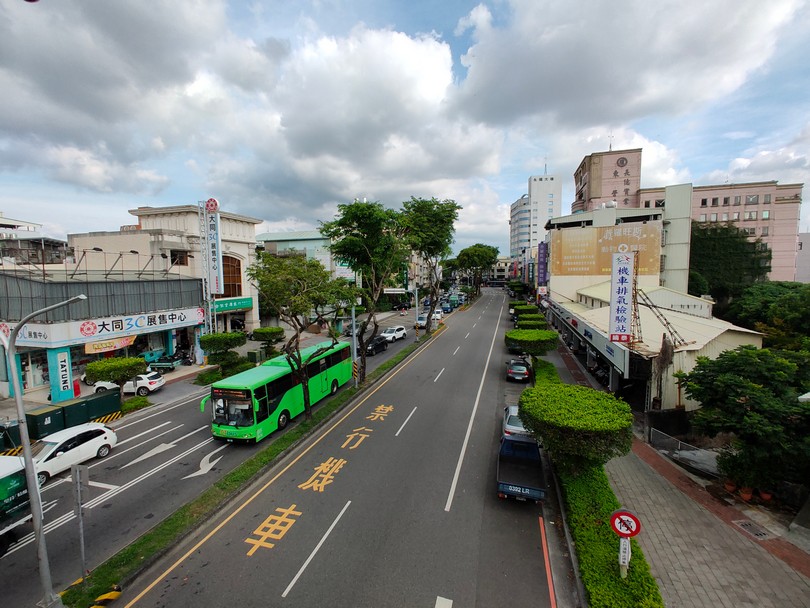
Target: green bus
{"type": "Point", "coordinates": [251, 405]}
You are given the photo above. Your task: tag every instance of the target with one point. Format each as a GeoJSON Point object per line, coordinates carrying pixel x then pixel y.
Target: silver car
{"type": "Point", "coordinates": [513, 426]}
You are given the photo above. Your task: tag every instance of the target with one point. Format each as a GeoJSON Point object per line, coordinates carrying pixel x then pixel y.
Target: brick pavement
{"type": "Point", "coordinates": [696, 552]}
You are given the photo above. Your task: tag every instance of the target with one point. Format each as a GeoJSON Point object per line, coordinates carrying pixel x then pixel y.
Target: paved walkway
{"type": "Point", "coordinates": [697, 552]}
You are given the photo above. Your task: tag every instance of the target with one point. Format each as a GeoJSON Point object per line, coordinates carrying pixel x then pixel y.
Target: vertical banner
{"type": "Point", "coordinates": [216, 281]}
{"type": "Point", "coordinates": [621, 296]}
{"type": "Point", "coordinates": [542, 263]}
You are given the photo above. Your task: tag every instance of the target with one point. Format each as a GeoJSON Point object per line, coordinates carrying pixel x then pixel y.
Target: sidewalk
{"type": "Point", "coordinates": [696, 544]}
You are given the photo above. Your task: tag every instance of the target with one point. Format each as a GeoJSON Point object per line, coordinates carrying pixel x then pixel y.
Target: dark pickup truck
{"type": "Point", "coordinates": [520, 471]}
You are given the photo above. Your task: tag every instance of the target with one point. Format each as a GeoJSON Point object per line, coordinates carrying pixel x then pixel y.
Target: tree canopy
{"type": "Point", "coordinates": [430, 229]}
{"type": "Point", "coordinates": [115, 369]}
{"type": "Point", "coordinates": [778, 309]}
{"type": "Point", "coordinates": [474, 260]}
{"type": "Point", "coordinates": [753, 394]}
{"type": "Point", "coordinates": [295, 290]}
{"type": "Point", "coordinates": [724, 261]}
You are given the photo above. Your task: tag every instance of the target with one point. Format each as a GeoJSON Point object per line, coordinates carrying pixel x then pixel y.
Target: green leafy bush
{"type": "Point", "coordinates": [219, 342]}
{"type": "Point", "coordinates": [268, 335]}
{"type": "Point", "coordinates": [208, 377]}
{"type": "Point", "coordinates": [115, 369]}
{"type": "Point", "coordinates": [533, 317]}
{"type": "Point", "coordinates": [536, 342]}
{"type": "Point", "coordinates": [589, 502]}
{"type": "Point", "coordinates": [581, 427]}
{"type": "Point", "coordinates": [531, 324]}
{"type": "Point", "coordinates": [525, 309]}
{"type": "Point", "coordinates": [224, 358]}
{"type": "Point", "coordinates": [135, 403]}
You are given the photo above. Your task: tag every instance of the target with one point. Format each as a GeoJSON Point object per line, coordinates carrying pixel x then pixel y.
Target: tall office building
{"type": "Point", "coordinates": [528, 217]}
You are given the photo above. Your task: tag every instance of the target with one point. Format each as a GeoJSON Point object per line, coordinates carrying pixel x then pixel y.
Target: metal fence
{"type": "Point", "coordinates": [701, 461]}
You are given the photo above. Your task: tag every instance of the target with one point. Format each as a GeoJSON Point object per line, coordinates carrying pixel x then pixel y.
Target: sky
{"type": "Point", "coordinates": [282, 110]}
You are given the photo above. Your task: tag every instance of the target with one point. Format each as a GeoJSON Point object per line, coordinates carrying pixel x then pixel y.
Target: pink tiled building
{"type": "Point", "coordinates": [766, 210]}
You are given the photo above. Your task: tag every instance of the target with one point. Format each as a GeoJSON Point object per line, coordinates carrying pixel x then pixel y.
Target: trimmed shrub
{"type": "Point", "coordinates": [225, 358]}
{"type": "Point", "coordinates": [580, 426]}
{"type": "Point", "coordinates": [525, 309]}
{"type": "Point", "coordinates": [208, 377]}
{"type": "Point", "coordinates": [536, 342]}
{"type": "Point", "coordinates": [589, 502]}
{"type": "Point", "coordinates": [531, 324]}
{"type": "Point", "coordinates": [545, 372]}
{"type": "Point", "coordinates": [115, 369]}
{"type": "Point", "coordinates": [268, 335]}
{"type": "Point", "coordinates": [219, 342]}
{"type": "Point", "coordinates": [534, 317]}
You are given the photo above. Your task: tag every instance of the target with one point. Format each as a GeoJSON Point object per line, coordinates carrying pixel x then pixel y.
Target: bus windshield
{"type": "Point", "coordinates": [233, 412]}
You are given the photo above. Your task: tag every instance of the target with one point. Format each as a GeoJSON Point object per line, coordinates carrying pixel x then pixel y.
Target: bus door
{"type": "Point", "coordinates": [323, 373]}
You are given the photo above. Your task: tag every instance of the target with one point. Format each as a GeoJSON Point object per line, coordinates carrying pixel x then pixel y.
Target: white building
{"type": "Point", "coordinates": [527, 224]}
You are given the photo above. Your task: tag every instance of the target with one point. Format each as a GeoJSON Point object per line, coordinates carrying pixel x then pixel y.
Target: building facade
{"type": "Point", "coordinates": [527, 224]}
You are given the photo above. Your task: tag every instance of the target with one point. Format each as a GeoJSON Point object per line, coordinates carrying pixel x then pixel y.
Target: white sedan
{"type": "Point", "coordinates": [61, 450]}
{"type": "Point", "coordinates": [392, 334]}
{"type": "Point", "coordinates": [142, 384]}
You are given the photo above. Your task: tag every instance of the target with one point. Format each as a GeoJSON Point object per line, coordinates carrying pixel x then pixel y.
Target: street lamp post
{"type": "Point", "coordinates": [50, 598]}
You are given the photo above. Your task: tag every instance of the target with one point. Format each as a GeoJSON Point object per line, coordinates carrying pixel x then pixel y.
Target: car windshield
{"type": "Point", "coordinates": [514, 421]}
{"type": "Point", "coordinates": [234, 412]}
{"type": "Point", "coordinates": [390, 330]}
{"type": "Point", "coordinates": [41, 447]}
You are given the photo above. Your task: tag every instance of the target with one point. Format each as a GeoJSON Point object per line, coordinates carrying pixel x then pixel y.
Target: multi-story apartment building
{"type": "Point", "coordinates": [527, 223]}
{"type": "Point", "coordinates": [766, 210]}
{"type": "Point", "coordinates": [803, 258]}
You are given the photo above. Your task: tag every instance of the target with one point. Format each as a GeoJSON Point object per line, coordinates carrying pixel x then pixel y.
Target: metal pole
{"type": "Point", "coordinates": [50, 598]}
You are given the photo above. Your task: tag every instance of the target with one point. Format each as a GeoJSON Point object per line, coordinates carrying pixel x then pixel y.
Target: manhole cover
{"type": "Point", "coordinates": [753, 529]}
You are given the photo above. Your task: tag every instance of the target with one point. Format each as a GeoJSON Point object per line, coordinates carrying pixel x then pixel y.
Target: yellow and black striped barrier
{"type": "Point", "coordinates": [108, 417]}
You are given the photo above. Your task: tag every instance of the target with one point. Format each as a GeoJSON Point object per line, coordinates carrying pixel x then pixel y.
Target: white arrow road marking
{"type": "Point", "coordinates": [206, 464]}
{"type": "Point", "coordinates": [159, 449]}
{"type": "Point", "coordinates": [62, 520]}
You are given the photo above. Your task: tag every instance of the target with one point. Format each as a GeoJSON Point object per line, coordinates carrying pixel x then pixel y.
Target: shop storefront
{"type": "Point", "coordinates": [51, 357]}
{"type": "Point", "coordinates": [231, 313]}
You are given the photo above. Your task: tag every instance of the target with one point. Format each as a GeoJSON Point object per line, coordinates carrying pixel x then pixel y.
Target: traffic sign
{"type": "Point", "coordinates": [625, 523]}
{"type": "Point", "coordinates": [395, 290]}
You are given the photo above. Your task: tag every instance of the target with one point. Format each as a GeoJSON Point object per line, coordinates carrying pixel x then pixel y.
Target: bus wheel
{"type": "Point", "coordinates": [283, 420]}
{"type": "Point", "coordinates": [334, 386]}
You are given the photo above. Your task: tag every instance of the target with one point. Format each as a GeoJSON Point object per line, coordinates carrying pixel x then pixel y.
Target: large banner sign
{"type": "Point", "coordinates": [588, 250]}
{"type": "Point", "coordinates": [216, 280]}
{"type": "Point", "coordinates": [621, 296]}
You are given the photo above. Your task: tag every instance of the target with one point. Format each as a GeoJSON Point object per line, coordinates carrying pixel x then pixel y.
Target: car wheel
{"type": "Point", "coordinates": [101, 389]}
{"type": "Point", "coordinates": [42, 477]}
{"type": "Point", "coordinates": [334, 386]}
{"type": "Point", "coordinates": [86, 381]}
{"type": "Point", "coordinates": [283, 420]}
{"type": "Point", "coordinates": [142, 391]}
{"type": "Point", "coordinates": [103, 451]}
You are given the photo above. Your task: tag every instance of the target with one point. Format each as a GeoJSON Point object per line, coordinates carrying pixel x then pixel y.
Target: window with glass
{"type": "Point", "coordinates": [735, 216]}
{"type": "Point", "coordinates": [737, 200]}
{"type": "Point", "coordinates": [702, 217]}
{"type": "Point", "coordinates": [232, 277]}
{"type": "Point", "coordinates": [726, 200]}
{"type": "Point", "coordinates": [750, 215]}
{"type": "Point", "coordinates": [764, 231]}
{"type": "Point", "coordinates": [725, 217]}
{"type": "Point", "coordinates": [750, 231]}
{"type": "Point", "coordinates": [766, 215]}
{"type": "Point", "coordinates": [714, 217]}
{"type": "Point", "coordinates": [752, 199]}
{"type": "Point", "coordinates": [766, 198]}
{"type": "Point", "coordinates": [715, 201]}
{"type": "Point", "coordinates": [704, 202]}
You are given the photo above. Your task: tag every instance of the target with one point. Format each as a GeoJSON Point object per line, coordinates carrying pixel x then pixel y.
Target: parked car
{"type": "Point", "coordinates": [61, 450]}
{"type": "Point", "coordinates": [142, 384]}
{"type": "Point", "coordinates": [350, 329]}
{"type": "Point", "coordinates": [446, 308]}
{"type": "Point", "coordinates": [376, 344]}
{"type": "Point", "coordinates": [421, 322]}
{"type": "Point", "coordinates": [518, 370]}
{"type": "Point", "coordinates": [392, 334]}
{"type": "Point", "coordinates": [437, 315]}
{"type": "Point", "coordinates": [512, 426]}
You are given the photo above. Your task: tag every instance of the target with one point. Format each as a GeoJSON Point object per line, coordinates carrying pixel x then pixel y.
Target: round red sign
{"type": "Point", "coordinates": [625, 523]}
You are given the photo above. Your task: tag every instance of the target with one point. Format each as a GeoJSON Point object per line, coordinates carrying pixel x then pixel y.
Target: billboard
{"type": "Point", "coordinates": [621, 297]}
{"type": "Point", "coordinates": [588, 250]}
{"type": "Point", "coordinates": [216, 280]}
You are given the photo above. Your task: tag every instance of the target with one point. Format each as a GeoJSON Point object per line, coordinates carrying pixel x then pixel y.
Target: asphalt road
{"type": "Point", "coordinates": [164, 458]}
{"type": "Point", "coordinates": [392, 504]}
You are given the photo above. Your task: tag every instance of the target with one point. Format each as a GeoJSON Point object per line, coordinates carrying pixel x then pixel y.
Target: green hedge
{"type": "Point", "coordinates": [525, 309]}
{"type": "Point", "coordinates": [589, 502]}
{"type": "Point", "coordinates": [533, 317]}
{"type": "Point", "coordinates": [531, 324]}
{"type": "Point", "coordinates": [536, 342]}
{"type": "Point", "coordinates": [581, 427]}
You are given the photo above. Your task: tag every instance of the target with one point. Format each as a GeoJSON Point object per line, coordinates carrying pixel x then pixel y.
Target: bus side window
{"type": "Point", "coordinates": [260, 395]}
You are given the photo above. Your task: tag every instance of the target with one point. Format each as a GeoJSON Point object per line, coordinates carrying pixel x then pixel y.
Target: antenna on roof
{"type": "Point", "coordinates": [610, 145]}
{"type": "Point", "coordinates": [545, 165]}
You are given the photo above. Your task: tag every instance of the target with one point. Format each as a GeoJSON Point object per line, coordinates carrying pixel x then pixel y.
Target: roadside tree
{"type": "Point", "coordinates": [371, 241]}
{"type": "Point", "coordinates": [429, 224]}
{"type": "Point", "coordinates": [296, 290]}
{"type": "Point", "coordinates": [475, 260]}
